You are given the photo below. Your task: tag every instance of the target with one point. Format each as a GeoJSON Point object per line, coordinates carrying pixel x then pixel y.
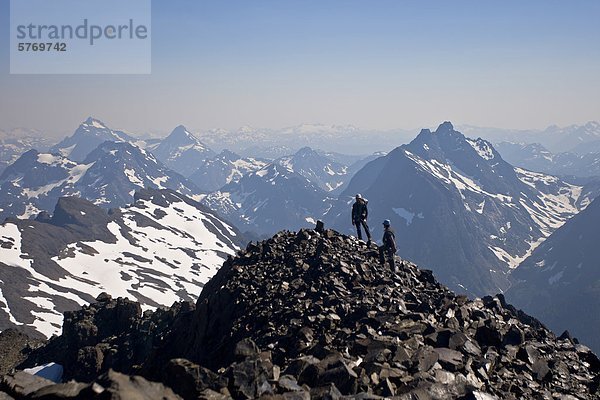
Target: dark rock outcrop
{"type": "Point", "coordinates": [109, 386]}
{"type": "Point", "coordinates": [112, 333]}
{"type": "Point", "coordinates": [14, 348]}
{"type": "Point", "coordinates": [314, 315]}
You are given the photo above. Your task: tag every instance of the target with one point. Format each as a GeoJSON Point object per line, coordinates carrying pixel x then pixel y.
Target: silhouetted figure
{"type": "Point", "coordinates": [388, 249]}
{"type": "Point", "coordinates": [359, 217]}
{"type": "Point", "coordinates": [320, 227]}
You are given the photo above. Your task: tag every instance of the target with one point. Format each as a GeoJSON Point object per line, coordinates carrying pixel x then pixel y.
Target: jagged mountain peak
{"type": "Point", "coordinates": [90, 134]}
{"type": "Point", "coordinates": [181, 133]}
{"type": "Point", "coordinates": [445, 126]}
{"type": "Point", "coordinates": [96, 123]}
{"type": "Point", "coordinates": [182, 151]}
{"type": "Point", "coordinates": [446, 143]}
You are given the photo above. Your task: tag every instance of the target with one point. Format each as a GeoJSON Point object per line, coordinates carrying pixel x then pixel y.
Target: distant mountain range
{"type": "Point", "coordinates": [272, 198]}
{"type": "Point", "coordinates": [560, 282]}
{"type": "Point", "coordinates": [329, 175]}
{"type": "Point", "coordinates": [275, 143]}
{"type": "Point", "coordinates": [159, 250]}
{"type": "Point", "coordinates": [459, 208]}
{"type": "Point", "coordinates": [579, 139]}
{"type": "Point", "coordinates": [109, 176]}
{"type": "Point", "coordinates": [457, 205]}
{"type": "Point", "coordinates": [289, 193]}
{"type": "Point", "coordinates": [536, 157]}
{"type": "Point", "coordinates": [224, 168]}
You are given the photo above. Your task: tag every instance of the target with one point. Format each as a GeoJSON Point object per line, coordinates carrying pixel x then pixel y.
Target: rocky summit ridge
{"type": "Point", "coordinates": [313, 314]}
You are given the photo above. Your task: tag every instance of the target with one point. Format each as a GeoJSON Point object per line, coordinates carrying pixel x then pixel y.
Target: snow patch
{"type": "Point", "coordinates": [407, 215]}
{"type": "Point", "coordinates": [482, 147]}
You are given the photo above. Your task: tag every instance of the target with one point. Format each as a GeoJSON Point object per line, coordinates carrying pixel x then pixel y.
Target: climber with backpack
{"type": "Point", "coordinates": [359, 217]}
{"type": "Point", "coordinates": [388, 249]}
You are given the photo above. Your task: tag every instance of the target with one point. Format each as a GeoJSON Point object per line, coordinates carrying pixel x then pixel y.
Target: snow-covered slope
{"type": "Point", "coordinates": [182, 151]}
{"type": "Point", "coordinates": [89, 135]}
{"type": "Point", "coordinates": [460, 209]}
{"type": "Point", "coordinates": [159, 250]}
{"type": "Point", "coordinates": [225, 168]}
{"type": "Point", "coordinates": [560, 282]}
{"type": "Point", "coordinates": [109, 177]}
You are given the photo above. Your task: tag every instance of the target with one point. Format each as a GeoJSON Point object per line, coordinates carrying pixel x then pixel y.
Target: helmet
{"type": "Point", "coordinates": [358, 196]}
{"type": "Point", "coordinates": [386, 222]}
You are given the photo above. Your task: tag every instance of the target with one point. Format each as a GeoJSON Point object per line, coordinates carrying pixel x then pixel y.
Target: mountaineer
{"type": "Point", "coordinates": [388, 249]}
{"type": "Point", "coordinates": [359, 217]}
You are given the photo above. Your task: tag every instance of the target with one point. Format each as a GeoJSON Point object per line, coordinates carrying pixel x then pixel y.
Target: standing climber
{"type": "Point", "coordinates": [388, 249]}
{"type": "Point", "coordinates": [359, 217]}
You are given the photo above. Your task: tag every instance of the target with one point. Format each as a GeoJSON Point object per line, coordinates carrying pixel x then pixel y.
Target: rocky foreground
{"type": "Point", "coordinates": [311, 315]}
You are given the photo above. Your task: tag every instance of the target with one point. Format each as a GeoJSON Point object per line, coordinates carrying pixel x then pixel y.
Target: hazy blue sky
{"type": "Point", "coordinates": [374, 64]}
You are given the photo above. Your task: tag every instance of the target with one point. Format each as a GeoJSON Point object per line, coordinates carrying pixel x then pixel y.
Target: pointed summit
{"type": "Point", "coordinates": [182, 151]}
{"type": "Point", "coordinates": [93, 123]}
{"type": "Point", "coordinates": [181, 136]}
{"type": "Point", "coordinates": [90, 134]}
{"type": "Point", "coordinates": [306, 152]}
{"type": "Point", "coordinates": [446, 126]}
{"type": "Point", "coordinates": [181, 131]}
